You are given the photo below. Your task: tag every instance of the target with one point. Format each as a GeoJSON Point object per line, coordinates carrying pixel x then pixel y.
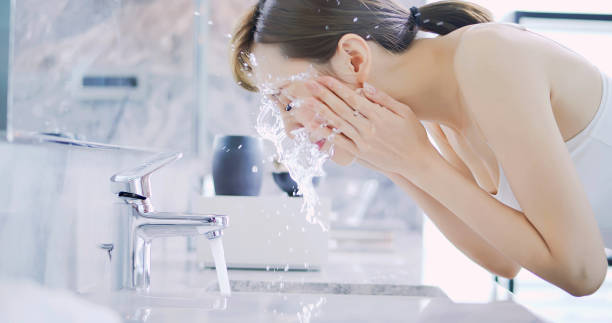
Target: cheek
{"type": "Point", "coordinates": [342, 157]}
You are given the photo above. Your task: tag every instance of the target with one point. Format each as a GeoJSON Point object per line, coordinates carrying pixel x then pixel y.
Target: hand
{"type": "Point", "coordinates": [377, 129]}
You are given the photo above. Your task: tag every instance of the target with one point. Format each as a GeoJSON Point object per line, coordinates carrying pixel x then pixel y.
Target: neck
{"type": "Point", "coordinates": [423, 78]}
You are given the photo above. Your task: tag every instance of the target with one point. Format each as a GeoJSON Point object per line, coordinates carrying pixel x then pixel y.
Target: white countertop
{"type": "Point", "coordinates": [334, 294]}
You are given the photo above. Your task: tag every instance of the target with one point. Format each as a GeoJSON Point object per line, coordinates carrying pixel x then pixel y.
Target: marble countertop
{"type": "Point", "coordinates": [357, 286]}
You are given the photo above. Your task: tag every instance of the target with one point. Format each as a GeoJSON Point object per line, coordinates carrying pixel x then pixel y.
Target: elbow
{"type": "Point", "coordinates": [585, 286]}
{"type": "Point", "coordinates": [586, 280]}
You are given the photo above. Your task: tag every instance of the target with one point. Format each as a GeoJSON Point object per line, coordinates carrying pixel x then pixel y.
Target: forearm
{"type": "Point", "coordinates": [457, 232]}
{"type": "Point", "coordinates": [506, 229]}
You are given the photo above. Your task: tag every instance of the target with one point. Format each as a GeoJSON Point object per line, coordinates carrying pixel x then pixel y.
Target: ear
{"type": "Point", "coordinates": [352, 60]}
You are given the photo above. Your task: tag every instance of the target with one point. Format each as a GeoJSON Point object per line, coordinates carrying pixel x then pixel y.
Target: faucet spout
{"type": "Point", "coordinates": [169, 224]}
{"type": "Point", "coordinates": [142, 223]}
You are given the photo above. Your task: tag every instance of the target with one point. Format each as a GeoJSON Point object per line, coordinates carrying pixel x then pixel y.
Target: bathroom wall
{"type": "Point", "coordinates": [56, 207]}
{"type": "Point", "coordinates": [58, 42]}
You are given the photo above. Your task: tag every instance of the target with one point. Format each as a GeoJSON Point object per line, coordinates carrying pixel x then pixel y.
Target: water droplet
{"type": "Point", "coordinates": [253, 59]}
{"type": "Point", "coordinates": [355, 19]}
{"type": "Point", "coordinates": [229, 35]}
{"type": "Point", "coordinates": [426, 21]}
{"type": "Point", "coordinates": [368, 36]}
{"type": "Point", "coordinates": [439, 23]}
{"type": "Point", "coordinates": [326, 27]}
{"type": "Point", "coordinates": [376, 27]}
{"type": "Point", "coordinates": [254, 169]}
{"type": "Point", "coordinates": [196, 13]}
{"type": "Point", "coordinates": [239, 146]}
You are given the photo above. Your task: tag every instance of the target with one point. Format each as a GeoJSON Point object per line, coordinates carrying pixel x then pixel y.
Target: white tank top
{"type": "Point", "coordinates": [591, 152]}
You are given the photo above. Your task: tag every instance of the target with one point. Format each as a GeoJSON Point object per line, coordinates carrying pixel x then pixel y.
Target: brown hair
{"type": "Point", "coordinates": [311, 29]}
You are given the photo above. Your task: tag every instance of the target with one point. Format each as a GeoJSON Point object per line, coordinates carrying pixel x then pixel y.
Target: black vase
{"type": "Point", "coordinates": [284, 181]}
{"type": "Point", "coordinates": [237, 165]}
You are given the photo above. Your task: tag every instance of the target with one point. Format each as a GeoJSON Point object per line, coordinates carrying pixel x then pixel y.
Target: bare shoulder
{"type": "Point", "coordinates": [494, 47]}
{"type": "Point", "coordinates": [495, 60]}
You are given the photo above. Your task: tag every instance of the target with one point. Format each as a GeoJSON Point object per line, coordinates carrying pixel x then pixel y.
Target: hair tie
{"type": "Point", "coordinates": [415, 16]}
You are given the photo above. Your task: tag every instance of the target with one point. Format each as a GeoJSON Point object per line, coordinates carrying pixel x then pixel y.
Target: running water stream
{"type": "Point", "coordinates": [216, 247]}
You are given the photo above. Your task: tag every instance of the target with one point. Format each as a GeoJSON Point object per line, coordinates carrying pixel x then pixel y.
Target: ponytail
{"type": "Point", "coordinates": [442, 17]}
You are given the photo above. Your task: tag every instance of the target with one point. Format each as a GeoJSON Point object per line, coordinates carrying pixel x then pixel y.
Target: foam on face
{"type": "Point", "coordinates": [303, 159]}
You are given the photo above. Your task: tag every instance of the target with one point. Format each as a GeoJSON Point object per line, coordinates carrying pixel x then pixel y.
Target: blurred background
{"type": "Point", "coordinates": [154, 75]}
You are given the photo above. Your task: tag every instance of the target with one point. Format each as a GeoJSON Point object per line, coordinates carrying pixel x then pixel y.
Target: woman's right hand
{"type": "Point", "coordinates": [296, 116]}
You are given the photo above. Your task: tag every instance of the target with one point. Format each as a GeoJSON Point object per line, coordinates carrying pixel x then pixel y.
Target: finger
{"type": "Point", "coordinates": [350, 97]}
{"type": "Point", "coordinates": [327, 116]}
{"type": "Point", "coordinates": [289, 122]}
{"type": "Point", "coordinates": [385, 100]}
{"type": "Point", "coordinates": [342, 141]}
{"type": "Point", "coordinates": [338, 106]}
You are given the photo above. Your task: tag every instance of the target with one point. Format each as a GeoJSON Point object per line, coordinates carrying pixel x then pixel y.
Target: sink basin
{"type": "Point", "coordinates": [332, 288]}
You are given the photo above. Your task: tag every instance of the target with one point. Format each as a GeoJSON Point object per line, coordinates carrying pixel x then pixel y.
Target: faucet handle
{"type": "Point", "coordinates": [158, 161]}
{"type": "Point", "coordinates": [134, 183]}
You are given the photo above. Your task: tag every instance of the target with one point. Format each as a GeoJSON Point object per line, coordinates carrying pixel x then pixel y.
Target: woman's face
{"type": "Point", "coordinates": [274, 70]}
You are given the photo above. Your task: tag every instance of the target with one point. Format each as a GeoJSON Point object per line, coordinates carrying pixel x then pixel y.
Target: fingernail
{"type": "Point", "coordinates": [368, 88]}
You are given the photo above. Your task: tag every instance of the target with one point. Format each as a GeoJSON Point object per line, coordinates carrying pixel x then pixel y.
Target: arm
{"type": "Point", "coordinates": [556, 237]}
{"type": "Point", "coordinates": [456, 231]}
{"type": "Point", "coordinates": [441, 142]}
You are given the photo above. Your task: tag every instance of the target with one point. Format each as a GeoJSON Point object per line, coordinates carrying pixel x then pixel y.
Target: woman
{"type": "Point", "coordinates": [497, 101]}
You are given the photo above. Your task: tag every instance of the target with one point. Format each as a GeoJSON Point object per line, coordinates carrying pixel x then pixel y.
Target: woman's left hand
{"type": "Point", "coordinates": [377, 129]}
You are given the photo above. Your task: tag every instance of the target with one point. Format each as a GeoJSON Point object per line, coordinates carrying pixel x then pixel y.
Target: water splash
{"type": "Point", "coordinates": [311, 310]}
{"type": "Point", "coordinates": [303, 159]}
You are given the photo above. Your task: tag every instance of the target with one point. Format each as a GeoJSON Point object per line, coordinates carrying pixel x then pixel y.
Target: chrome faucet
{"type": "Point", "coordinates": [141, 223]}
